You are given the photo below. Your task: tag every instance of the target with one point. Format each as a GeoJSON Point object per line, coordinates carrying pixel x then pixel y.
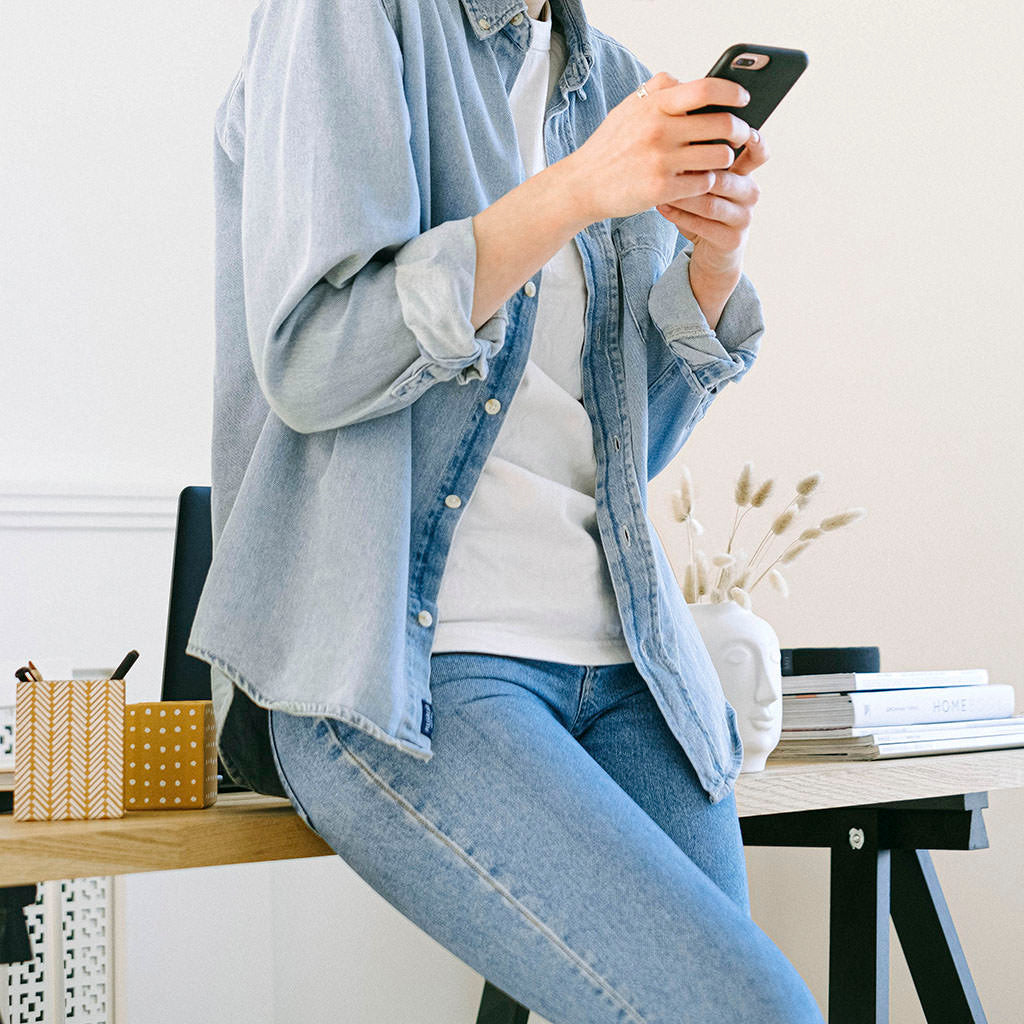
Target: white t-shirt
{"type": "Point", "coordinates": [526, 573]}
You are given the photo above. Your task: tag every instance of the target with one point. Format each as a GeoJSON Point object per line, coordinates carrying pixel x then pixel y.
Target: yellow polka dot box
{"type": "Point", "coordinates": [81, 752]}
{"type": "Point", "coordinates": [170, 755]}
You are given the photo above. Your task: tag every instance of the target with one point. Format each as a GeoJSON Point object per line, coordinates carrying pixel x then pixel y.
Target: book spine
{"type": "Point", "coordinates": [847, 682]}
{"type": "Point", "coordinates": [941, 704]}
{"type": "Point", "coordinates": [971, 726]}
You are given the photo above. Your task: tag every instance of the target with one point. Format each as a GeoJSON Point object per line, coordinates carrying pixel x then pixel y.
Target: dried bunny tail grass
{"type": "Point", "coordinates": [808, 484]}
{"type": "Point", "coordinates": [727, 580]}
{"type": "Point", "coordinates": [740, 572]}
{"type": "Point", "coordinates": [690, 584]}
{"type": "Point", "coordinates": [680, 506]}
{"type": "Point", "coordinates": [703, 573]}
{"type": "Point", "coordinates": [740, 596]}
{"type": "Point", "coordinates": [686, 486]}
{"type": "Point", "coordinates": [851, 515]}
{"type": "Point", "coordinates": [783, 521]}
{"type": "Point", "coordinates": [762, 493]}
{"type": "Point", "coordinates": [801, 500]}
{"type": "Point", "coordinates": [793, 552]}
{"type": "Point", "coordinates": [723, 558]}
{"type": "Point", "coordinates": [811, 533]}
{"type": "Point", "coordinates": [743, 484]}
{"type": "Point", "coordinates": [698, 529]}
{"type": "Point", "coordinates": [778, 581]}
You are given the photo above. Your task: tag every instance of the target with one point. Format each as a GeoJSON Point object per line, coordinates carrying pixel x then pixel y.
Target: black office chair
{"type": "Point", "coordinates": [188, 678]}
{"type": "Point", "coordinates": [185, 677]}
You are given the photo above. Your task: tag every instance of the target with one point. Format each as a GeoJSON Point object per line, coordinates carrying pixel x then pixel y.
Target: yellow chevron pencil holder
{"type": "Point", "coordinates": [170, 755]}
{"type": "Point", "coordinates": [69, 749]}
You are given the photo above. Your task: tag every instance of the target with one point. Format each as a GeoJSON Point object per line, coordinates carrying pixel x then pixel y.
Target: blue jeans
{"type": "Point", "coordinates": [558, 842]}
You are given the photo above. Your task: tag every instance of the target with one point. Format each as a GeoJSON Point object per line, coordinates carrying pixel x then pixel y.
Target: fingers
{"type": "Point", "coordinates": [718, 126]}
{"type": "Point", "coordinates": [694, 183]}
{"type": "Point", "coordinates": [753, 156]}
{"type": "Point", "coordinates": [718, 156]}
{"type": "Point", "coordinates": [662, 80]}
{"type": "Point", "coordinates": [721, 235]}
{"type": "Point", "coordinates": [713, 207]}
{"type": "Point", "coordinates": [712, 157]}
{"type": "Point", "coordinates": [738, 188]}
{"type": "Point", "coordinates": [722, 214]}
{"type": "Point", "coordinates": [686, 96]}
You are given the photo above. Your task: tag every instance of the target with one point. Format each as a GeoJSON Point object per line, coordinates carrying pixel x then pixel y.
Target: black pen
{"type": "Point", "coordinates": [121, 671]}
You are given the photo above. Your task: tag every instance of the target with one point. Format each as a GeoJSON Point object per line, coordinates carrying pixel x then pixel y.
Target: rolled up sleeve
{"type": "Point", "coordinates": [352, 308]}
{"type": "Point", "coordinates": [716, 356]}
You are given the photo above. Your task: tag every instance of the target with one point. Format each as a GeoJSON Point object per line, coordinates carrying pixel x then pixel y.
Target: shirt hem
{"type": "Point", "coordinates": [541, 648]}
{"type": "Point", "coordinates": [338, 711]}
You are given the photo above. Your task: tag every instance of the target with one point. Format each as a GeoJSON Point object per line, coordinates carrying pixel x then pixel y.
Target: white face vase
{"type": "Point", "coordinates": [746, 654]}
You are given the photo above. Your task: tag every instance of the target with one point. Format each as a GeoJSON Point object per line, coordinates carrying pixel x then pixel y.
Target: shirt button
{"type": "Point", "coordinates": [530, 288]}
{"type": "Point", "coordinates": [425, 618]}
{"type": "Point", "coordinates": [518, 18]}
{"type": "Point", "coordinates": [453, 501]}
{"type": "Point", "coordinates": [484, 23]}
{"type": "Point", "coordinates": [492, 405]}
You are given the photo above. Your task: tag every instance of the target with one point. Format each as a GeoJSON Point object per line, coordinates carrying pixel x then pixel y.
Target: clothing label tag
{"type": "Point", "coordinates": [427, 722]}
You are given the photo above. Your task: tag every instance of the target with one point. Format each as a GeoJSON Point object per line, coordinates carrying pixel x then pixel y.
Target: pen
{"type": "Point", "coordinates": [126, 663]}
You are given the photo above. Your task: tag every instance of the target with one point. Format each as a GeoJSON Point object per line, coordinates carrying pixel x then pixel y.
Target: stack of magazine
{"type": "Point", "coordinates": [871, 715]}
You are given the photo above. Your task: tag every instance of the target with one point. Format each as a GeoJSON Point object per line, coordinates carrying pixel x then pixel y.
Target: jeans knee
{"type": "Point", "coordinates": [768, 986]}
{"type": "Point", "coordinates": [788, 1000]}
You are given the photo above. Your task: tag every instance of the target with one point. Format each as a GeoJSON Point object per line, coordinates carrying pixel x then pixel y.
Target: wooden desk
{"type": "Point", "coordinates": [897, 809]}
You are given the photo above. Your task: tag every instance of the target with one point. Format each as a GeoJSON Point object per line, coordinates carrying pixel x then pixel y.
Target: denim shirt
{"type": "Point", "coordinates": [352, 395]}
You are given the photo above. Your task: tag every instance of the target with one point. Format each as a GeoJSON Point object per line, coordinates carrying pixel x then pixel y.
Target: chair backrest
{"type": "Point", "coordinates": [185, 677]}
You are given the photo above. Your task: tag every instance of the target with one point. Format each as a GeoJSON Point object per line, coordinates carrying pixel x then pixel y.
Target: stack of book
{"type": "Point", "coordinates": [870, 715]}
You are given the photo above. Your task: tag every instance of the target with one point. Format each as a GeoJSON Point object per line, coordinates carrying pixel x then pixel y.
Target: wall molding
{"type": "Point", "coordinates": [71, 509]}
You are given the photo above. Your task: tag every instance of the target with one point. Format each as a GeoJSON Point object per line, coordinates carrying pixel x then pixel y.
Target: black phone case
{"type": "Point", "coordinates": [767, 86]}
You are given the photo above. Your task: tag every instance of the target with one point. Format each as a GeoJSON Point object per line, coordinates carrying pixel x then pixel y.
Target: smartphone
{"type": "Point", "coordinates": [766, 72]}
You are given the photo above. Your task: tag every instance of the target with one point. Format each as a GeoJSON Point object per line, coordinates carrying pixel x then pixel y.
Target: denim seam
{"type": "Point", "coordinates": [300, 807]}
{"type": "Point", "coordinates": [682, 365]}
{"type": "Point", "coordinates": [585, 688]}
{"type": "Point", "coordinates": [335, 711]}
{"type": "Point", "coordinates": [573, 957]}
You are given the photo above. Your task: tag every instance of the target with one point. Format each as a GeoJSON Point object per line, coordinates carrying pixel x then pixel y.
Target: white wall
{"type": "Point", "coordinates": [885, 252]}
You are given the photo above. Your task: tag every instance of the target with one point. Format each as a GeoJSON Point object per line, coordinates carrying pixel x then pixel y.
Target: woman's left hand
{"type": "Point", "coordinates": [718, 220]}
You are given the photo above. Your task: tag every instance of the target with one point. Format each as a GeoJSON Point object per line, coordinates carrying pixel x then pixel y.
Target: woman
{"type": "Point", "coordinates": [459, 326]}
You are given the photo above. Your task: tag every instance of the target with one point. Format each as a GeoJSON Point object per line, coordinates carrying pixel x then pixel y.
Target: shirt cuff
{"type": "Point", "coordinates": [717, 355]}
{"type": "Point", "coordinates": [435, 276]}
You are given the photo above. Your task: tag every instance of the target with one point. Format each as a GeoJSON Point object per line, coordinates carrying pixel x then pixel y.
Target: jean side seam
{"type": "Point", "coordinates": [566, 951]}
{"type": "Point", "coordinates": [300, 807]}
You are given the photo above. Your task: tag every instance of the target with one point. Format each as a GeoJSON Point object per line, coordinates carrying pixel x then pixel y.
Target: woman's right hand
{"type": "Point", "coordinates": [640, 155]}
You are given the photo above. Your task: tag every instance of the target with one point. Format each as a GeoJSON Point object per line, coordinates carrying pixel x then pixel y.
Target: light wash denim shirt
{"type": "Point", "coordinates": [355, 405]}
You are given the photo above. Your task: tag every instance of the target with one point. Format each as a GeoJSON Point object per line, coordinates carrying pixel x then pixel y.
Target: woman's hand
{"type": "Point", "coordinates": [640, 155]}
{"type": "Point", "coordinates": [717, 223]}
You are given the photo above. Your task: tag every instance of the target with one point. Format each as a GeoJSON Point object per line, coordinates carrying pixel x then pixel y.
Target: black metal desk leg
{"type": "Point", "coordinates": [496, 1007]}
{"type": "Point", "coordinates": [880, 864]}
{"type": "Point", "coordinates": [930, 943]}
{"type": "Point", "coordinates": [858, 974]}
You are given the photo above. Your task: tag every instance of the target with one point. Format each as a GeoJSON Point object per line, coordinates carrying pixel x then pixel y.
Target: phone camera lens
{"type": "Point", "coordinates": [743, 62]}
